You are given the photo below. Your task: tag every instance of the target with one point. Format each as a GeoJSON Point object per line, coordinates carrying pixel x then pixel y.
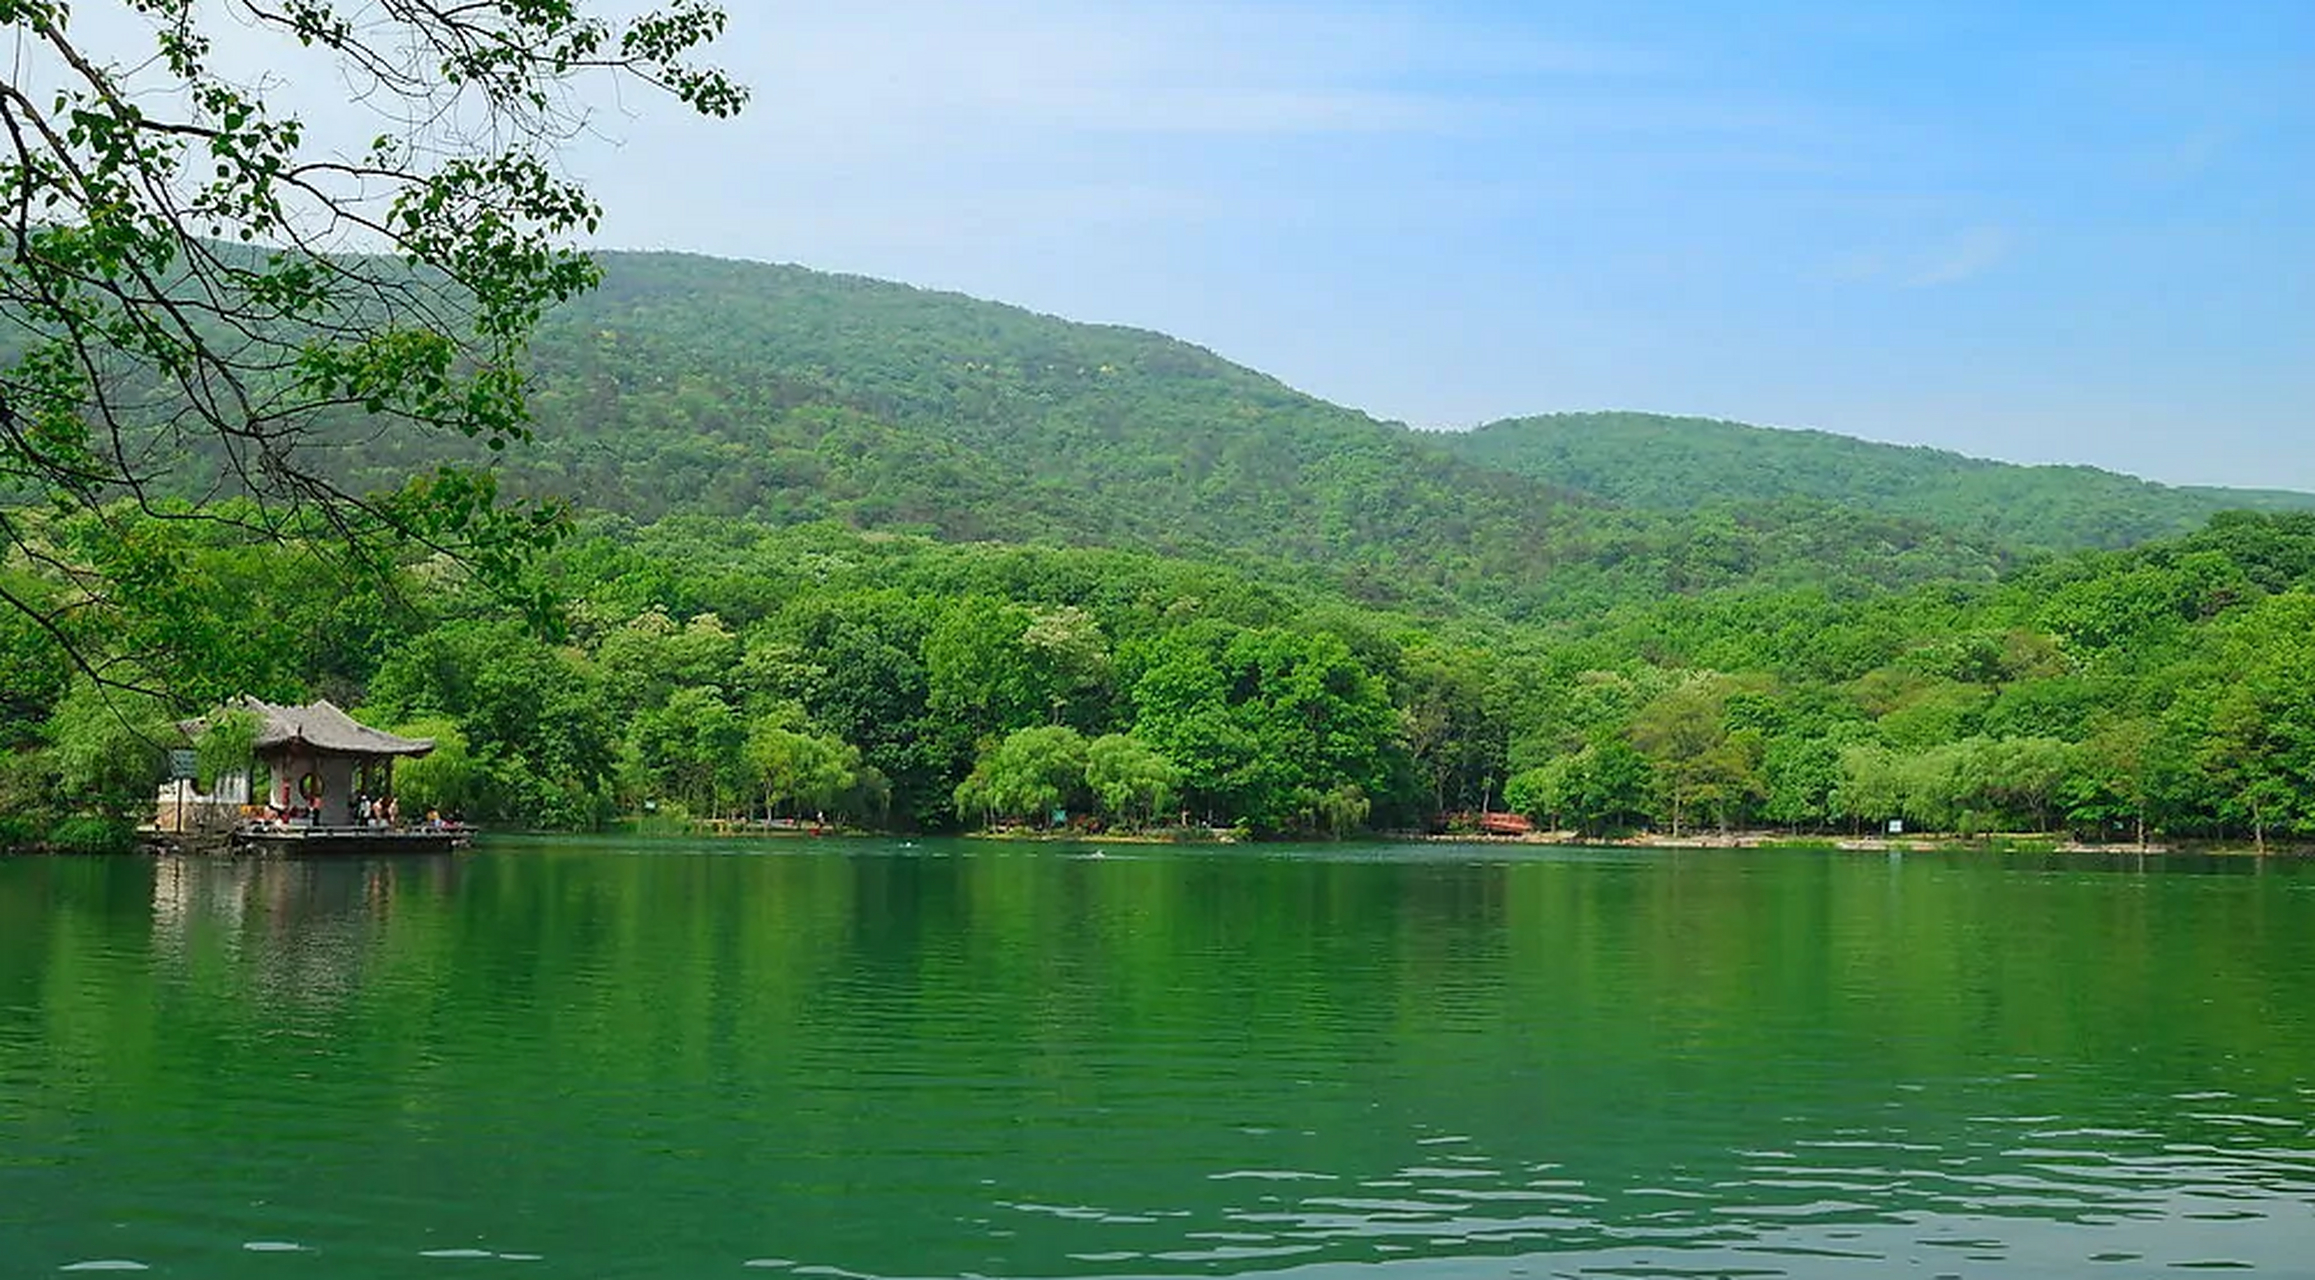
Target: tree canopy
{"type": "Point", "coordinates": [732, 671]}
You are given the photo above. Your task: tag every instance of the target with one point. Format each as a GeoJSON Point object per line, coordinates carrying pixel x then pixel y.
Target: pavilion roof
{"type": "Point", "coordinates": [322, 727]}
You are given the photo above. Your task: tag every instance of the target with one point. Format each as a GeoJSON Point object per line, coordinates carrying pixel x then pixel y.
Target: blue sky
{"type": "Point", "coordinates": [2038, 231]}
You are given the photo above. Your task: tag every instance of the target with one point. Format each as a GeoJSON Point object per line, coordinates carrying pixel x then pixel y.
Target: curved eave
{"type": "Point", "coordinates": [413, 747]}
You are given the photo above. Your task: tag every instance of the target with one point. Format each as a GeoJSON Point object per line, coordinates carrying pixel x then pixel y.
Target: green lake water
{"type": "Point", "coordinates": [949, 1059]}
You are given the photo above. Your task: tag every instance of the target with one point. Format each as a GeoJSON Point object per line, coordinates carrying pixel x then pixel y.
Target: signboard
{"type": "Point", "coordinates": [1896, 826]}
{"type": "Point", "coordinates": [182, 764]}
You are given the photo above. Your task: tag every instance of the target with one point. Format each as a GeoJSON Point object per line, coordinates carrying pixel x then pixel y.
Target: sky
{"type": "Point", "coordinates": [2057, 231]}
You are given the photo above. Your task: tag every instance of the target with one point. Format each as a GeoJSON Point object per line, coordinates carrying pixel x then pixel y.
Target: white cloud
{"type": "Point", "coordinates": [883, 129]}
{"type": "Point", "coordinates": [1922, 261]}
{"type": "Point", "coordinates": [905, 71]}
{"type": "Point", "coordinates": [1970, 254]}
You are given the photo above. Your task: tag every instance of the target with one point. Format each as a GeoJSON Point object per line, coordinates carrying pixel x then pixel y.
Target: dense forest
{"type": "Point", "coordinates": [849, 551]}
{"type": "Point", "coordinates": [1662, 463]}
{"type": "Point", "coordinates": [710, 667]}
{"type": "Point", "coordinates": [777, 395]}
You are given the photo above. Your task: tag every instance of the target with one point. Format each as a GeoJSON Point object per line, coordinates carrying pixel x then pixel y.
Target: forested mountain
{"type": "Point", "coordinates": [1672, 464]}
{"type": "Point", "coordinates": [697, 386]}
{"type": "Point", "coordinates": [694, 386]}
{"type": "Point", "coordinates": [915, 560]}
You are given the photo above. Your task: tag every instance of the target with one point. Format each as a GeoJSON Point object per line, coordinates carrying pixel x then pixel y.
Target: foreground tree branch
{"type": "Point", "coordinates": [201, 301]}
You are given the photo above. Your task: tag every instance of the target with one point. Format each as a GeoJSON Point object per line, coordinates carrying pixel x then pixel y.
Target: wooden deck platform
{"type": "Point", "coordinates": [373, 841]}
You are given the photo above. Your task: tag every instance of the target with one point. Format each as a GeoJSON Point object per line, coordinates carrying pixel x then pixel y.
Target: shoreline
{"type": "Point", "coordinates": [2023, 843]}
{"type": "Point", "coordinates": [2003, 842]}
{"type": "Point", "coordinates": [2007, 842]}
{"type": "Point", "coordinates": [1167, 836]}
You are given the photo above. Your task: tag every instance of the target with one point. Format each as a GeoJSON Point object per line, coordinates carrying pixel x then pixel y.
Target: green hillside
{"type": "Point", "coordinates": [694, 386]}
{"type": "Point", "coordinates": [913, 560]}
{"type": "Point", "coordinates": [1663, 463]}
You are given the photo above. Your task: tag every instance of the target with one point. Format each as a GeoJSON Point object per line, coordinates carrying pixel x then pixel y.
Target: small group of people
{"type": "Point", "coordinates": [275, 817]}
{"type": "Point", "coordinates": [377, 811]}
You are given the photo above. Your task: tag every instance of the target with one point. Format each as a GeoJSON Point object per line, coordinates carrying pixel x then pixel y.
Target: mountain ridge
{"type": "Point", "coordinates": [2034, 505]}
{"type": "Point", "coordinates": [690, 385]}
{"type": "Point", "coordinates": [1941, 453]}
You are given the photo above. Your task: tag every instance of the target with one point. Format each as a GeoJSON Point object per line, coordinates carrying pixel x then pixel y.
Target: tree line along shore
{"type": "Point", "coordinates": [710, 669]}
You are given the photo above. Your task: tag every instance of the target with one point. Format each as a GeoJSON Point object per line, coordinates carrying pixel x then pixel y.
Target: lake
{"type": "Point", "coordinates": [942, 1059]}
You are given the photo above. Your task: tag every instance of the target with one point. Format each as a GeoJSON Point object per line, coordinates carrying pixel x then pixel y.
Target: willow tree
{"type": "Point", "coordinates": [203, 295]}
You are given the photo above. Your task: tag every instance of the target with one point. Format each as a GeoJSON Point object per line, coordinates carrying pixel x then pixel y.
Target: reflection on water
{"type": "Point", "coordinates": [314, 920]}
{"type": "Point", "coordinates": [285, 894]}
{"type": "Point", "coordinates": [862, 1059]}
